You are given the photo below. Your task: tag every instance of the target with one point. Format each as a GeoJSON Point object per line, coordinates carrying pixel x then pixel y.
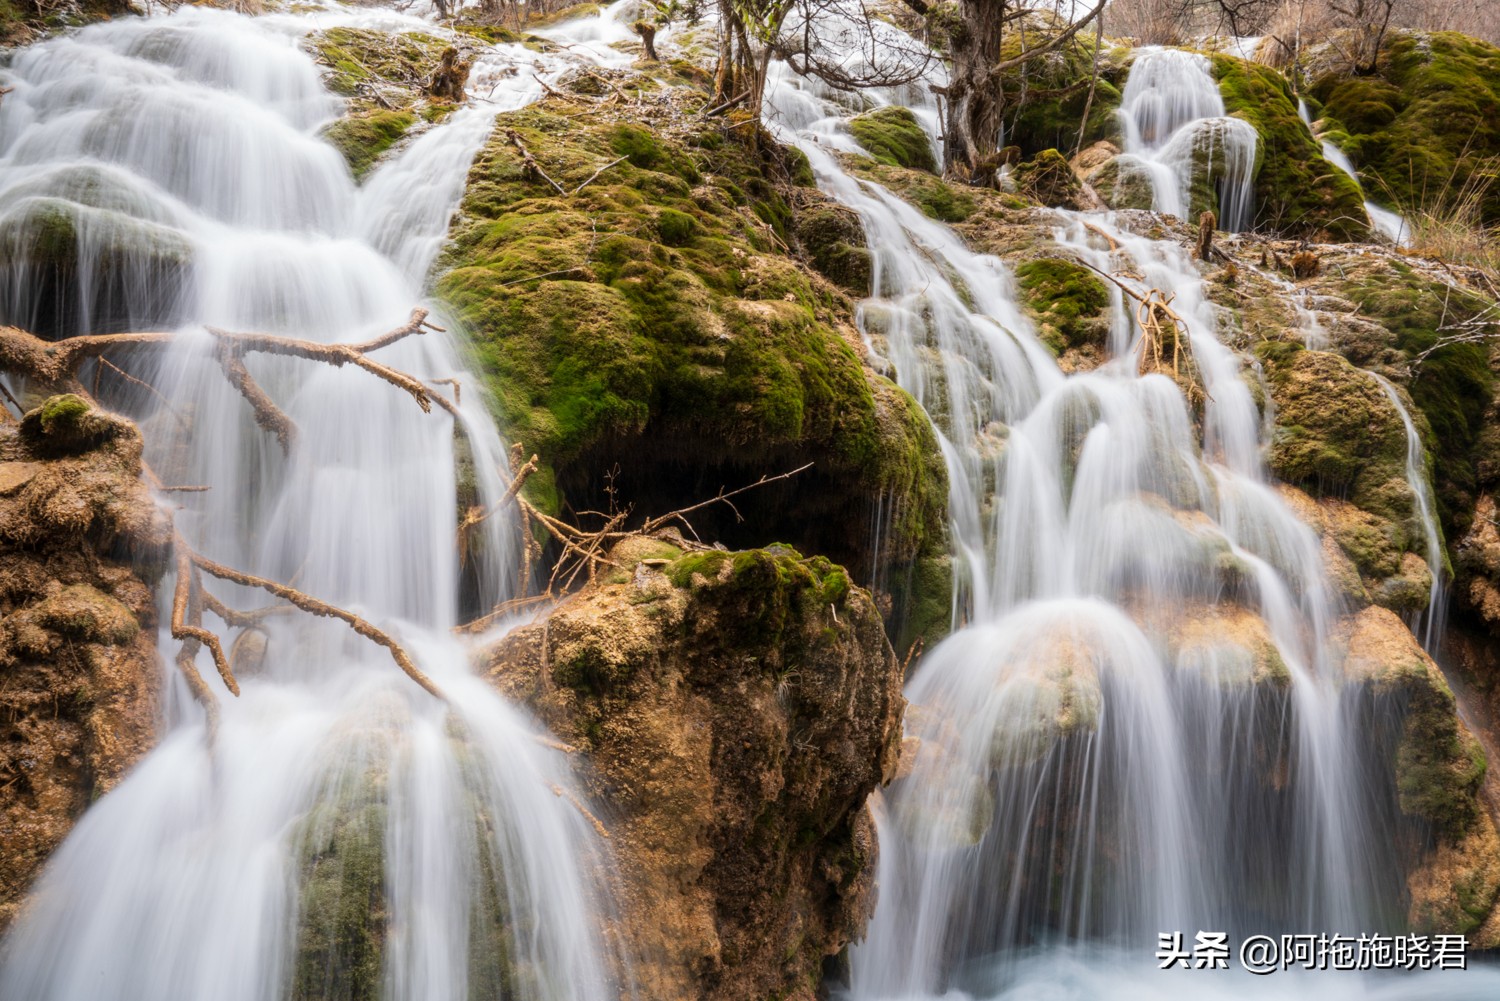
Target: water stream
{"type": "Point", "coordinates": [338, 806]}
{"type": "Point", "coordinates": [1387, 223]}
{"type": "Point", "coordinates": [1137, 727]}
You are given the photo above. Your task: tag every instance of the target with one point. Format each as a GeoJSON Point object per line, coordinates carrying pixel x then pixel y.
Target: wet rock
{"type": "Point", "coordinates": [734, 711]}
{"type": "Point", "coordinates": [834, 240]}
{"type": "Point", "coordinates": [79, 699]}
{"type": "Point", "coordinates": [894, 137]}
{"type": "Point", "coordinates": [1048, 179]}
{"type": "Point", "coordinates": [1122, 183]}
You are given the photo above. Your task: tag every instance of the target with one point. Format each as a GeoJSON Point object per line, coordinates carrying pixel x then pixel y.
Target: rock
{"type": "Point", "coordinates": [1455, 890]}
{"type": "Point", "coordinates": [1071, 306]}
{"type": "Point", "coordinates": [1095, 156]}
{"type": "Point", "coordinates": [1122, 183]}
{"type": "Point", "coordinates": [1227, 645]}
{"type": "Point", "coordinates": [833, 238]}
{"type": "Point", "coordinates": [1048, 179]}
{"type": "Point", "coordinates": [734, 711]}
{"type": "Point", "coordinates": [90, 265]}
{"type": "Point", "coordinates": [893, 136]}
{"type": "Point", "coordinates": [80, 699]}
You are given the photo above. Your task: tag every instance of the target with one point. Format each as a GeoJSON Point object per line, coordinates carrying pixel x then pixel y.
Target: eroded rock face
{"type": "Point", "coordinates": [79, 676]}
{"type": "Point", "coordinates": [733, 711]}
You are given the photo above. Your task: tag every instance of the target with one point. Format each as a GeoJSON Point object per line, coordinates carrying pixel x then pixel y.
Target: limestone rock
{"type": "Point", "coordinates": [734, 711]}
{"type": "Point", "coordinates": [79, 701]}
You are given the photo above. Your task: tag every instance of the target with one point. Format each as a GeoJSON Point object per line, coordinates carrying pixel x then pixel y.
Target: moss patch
{"type": "Point", "coordinates": [1297, 191]}
{"type": "Point", "coordinates": [893, 137]}
{"type": "Point", "coordinates": [654, 319]}
{"type": "Point", "coordinates": [1046, 96]}
{"type": "Point", "coordinates": [1421, 129]}
{"type": "Point", "coordinates": [363, 138]}
{"type": "Point", "coordinates": [1069, 302]}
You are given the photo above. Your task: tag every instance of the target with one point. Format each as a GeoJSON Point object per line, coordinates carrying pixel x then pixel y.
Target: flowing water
{"type": "Point", "coordinates": [1388, 224]}
{"type": "Point", "coordinates": [1137, 727]}
{"type": "Point", "coordinates": [1177, 132]}
{"type": "Point", "coordinates": [338, 804]}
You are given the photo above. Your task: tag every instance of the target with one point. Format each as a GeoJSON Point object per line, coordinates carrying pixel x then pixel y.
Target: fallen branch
{"type": "Point", "coordinates": [187, 617]}
{"type": "Point", "coordinates": [529, 166]}
{"type": "Point", "coordinates": [596, 173]}
{"type": "Point", "coordinates": [321, 608]}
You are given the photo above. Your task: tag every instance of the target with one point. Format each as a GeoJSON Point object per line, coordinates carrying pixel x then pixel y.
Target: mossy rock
{"type": "Point", "coordinates": [89, 265]}
{"type": "Point", "coordinates": [1123, 183]}
{"type": "Point", "coordinates": [1297, 191]}
{"type": "Point", "coordinates": [1426, 125]}
{"type": "Point", "coordinates": [1049, 180]}
{"type": "Point", "coordinates": [653, 319]}
{"type": "Point", "coordinates": [364, 60]}
{"type": "Point", "coordinates": [1069, 302]}
{"type": "Point", "coordinates": [1337, 432]}
{"type": "Point", "coordinates": [69, 425]}
{"type": "Point", "coordinates": [833, 238]}
{"type": "Point", "coordinates": [364, 138]}
{"type": "Point", "coordinates": [893, 137]}
{"type": "Point", "coordinates": [1046, 96]}
{"type": "Point", "coordinates": [1454, 384]}
{"type": "Point", "coordinates": [84, 613]}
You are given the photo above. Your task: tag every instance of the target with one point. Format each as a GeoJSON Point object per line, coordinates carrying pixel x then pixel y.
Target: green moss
{"type": "Point", "coordinates": [645, 312]}
{"type": "Point", "coordinates": [1427, 125]}
{"type": "Point", "coordinates": [1046, 97]}
{"type": "Point", "coordinates": [82, 612]}
{"type": "Point", "coordinates": [1297, 191]}
{"type": "Point", "coordinates": [1069, 301]}
{"type": "Point", "coordinates": [1337, 432]}
{"type": "Point", "coordinates": [833, 239]}
{"type": "Point", "coordinates": [935, 197]}
{"type": "Point", "coordinates": [359, 58]}
{"type": "Point", "coordinates": [893, 137]}
{"type": "Point", "coordinates": [342, 913]}
{"type": "Point", "coordinates": [1123, 184]}
{"type": "Point", "coordinates": [1453, 385]}
{"type": "Point", "coordinates": [363, 138]}
{"type": "Point", "coordinates": [1439, 768]}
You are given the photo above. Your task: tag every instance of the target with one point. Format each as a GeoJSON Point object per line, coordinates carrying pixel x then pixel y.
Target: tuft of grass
{"type": "Point", "coordinates": [1449, 223]}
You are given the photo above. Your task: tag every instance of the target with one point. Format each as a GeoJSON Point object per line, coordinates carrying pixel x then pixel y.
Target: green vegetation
{"type": "Point", "coordinates": [653, 318]}
{"type": "Point", "coordinates": [365, 57]}
{"type": "Point", "coordinates": [1297, 191]}
{"type": "Point", "coordinates": [893, 137]}
{"type": "Point", "coordinates": [362, 139]}
{"type": "Point", "coordinates": [1069, 302]}
{"type": "Point", "coordinates": [1047, 95]}
{"type": "Point", "coordinates": [1427, 126]}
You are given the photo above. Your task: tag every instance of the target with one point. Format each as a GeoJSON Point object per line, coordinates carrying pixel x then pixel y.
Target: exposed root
{"type": "Point", "coordinates": [529, 165]}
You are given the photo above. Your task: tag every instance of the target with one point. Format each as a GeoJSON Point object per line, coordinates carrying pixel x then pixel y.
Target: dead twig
{"type": "Point", "coordinates": [596, 173]}
{"type": "Point", "coordinates": [529, 166]}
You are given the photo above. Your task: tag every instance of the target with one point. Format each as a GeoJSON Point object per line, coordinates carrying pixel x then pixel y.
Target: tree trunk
{"type": "Point", "coordinates": [974, 94]}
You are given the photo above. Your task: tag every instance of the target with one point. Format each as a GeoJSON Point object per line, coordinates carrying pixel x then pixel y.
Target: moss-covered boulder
{"type": "Point", "coordinates": [833, 239]}
{"type": "Point", "coordinates": [1337, 432]}
{"type": "Point", "coordinates": [1297, 191]}
{"type": "Point", "coordinates": [389, 79]}
{"type": "Point", "coordinates": [653, 319]}
{"type": "Point", "coordinates": [735, 711]}
{"type": "Point", "coordinates": [84, 262]}
{"type": "Point", "coordinates": [1425, 125]}
{"type": "Point", "coordinates": [1071, 306]}
{"type": "Point", "coordinates": [363, 138]}
{"type": "Point", "coordinates": [894, 137]}
{"type": "Point", "coordinates": [1048, 180]}
{"type": "Point", "coordinates": [1122, 182]}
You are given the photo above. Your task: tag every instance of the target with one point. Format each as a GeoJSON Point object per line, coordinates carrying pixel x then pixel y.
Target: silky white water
{"type": "Point", "coordinates": [1137, 727]}
{"type": "Point", "coordinates": [1389, 224]}
{"type": "Point", "coordinates": [185, 149]}
{"type": "Point", "coordinates": [1177, 132]}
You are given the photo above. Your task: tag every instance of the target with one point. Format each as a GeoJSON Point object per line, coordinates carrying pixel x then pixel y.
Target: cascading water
{"type": "Point", "coordinates": [1177, 132]}
{"type": "Point", "coordinates": [1387, 223]}
{"type": "Point", "coordinates": [1430, 625]}
{"type": "Point", "coordinates": [1137, 728]}
{"type": "Point", "coordinates": [343, 833]}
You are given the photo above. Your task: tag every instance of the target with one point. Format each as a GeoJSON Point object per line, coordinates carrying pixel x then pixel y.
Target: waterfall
{"type": "Point", "coordinates": [1429, 626]}
{"type": "Point", "coordinates": [343, 833]}
{"type": "Point", "coordinates": [1176, 130]}
{"type": "Point", "coordinates": [1389, 224]}
{"type": "Point", "coordinates": [1137, 727]}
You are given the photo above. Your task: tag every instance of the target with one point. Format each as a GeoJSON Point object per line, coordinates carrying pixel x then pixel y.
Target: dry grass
{"type": "Point", "coordinates": [1448, 224]}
